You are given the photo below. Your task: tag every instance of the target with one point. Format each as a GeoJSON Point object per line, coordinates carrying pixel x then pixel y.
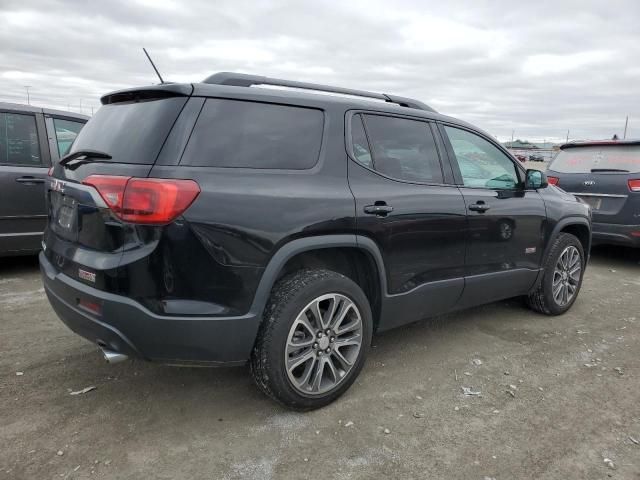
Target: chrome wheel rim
{"type": "Point", "coordinates": [566, 276]}
{"type": "Point", "coordinates": [323, 344]}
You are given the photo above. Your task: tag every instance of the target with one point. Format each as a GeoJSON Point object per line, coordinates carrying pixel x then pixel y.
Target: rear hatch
{"type": "Point", "coordinates": [86, 235]}
{"type": "Point", "coordinates": [605, 175]}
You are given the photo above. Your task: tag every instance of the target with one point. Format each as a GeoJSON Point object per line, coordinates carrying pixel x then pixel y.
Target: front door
{"type": "Point", "coordinates": [23, 171]}
{"type": "Point", "coordinates": [506, 221]}
{"type": "Point", "coordinates": [403, 205]}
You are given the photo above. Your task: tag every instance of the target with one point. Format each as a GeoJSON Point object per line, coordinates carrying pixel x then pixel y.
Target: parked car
{"type": "Point", "coordinates": [536, 158]}
{"type": "Point", "coordinates": [520, 157]}
{"type": "Point", "coordinates": [31, 139]}
{"type": "Point", "coordinates": [217, 223]}
{"type": "Point", "coordinates": [606, 175]}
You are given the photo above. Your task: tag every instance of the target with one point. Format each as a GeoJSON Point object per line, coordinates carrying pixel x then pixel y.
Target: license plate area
{"type": "Point", "coordinates": [64, 215]}
{"type": "Point", "coordinates": [594, 202]}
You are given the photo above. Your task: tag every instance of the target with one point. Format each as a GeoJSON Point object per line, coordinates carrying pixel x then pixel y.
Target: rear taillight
{"type": "Point", "coordinates": [145, 200]}
{"type": "Point", "coordinates": [634, 185]}
{"type": "Point", "coordinates": [553, 180]}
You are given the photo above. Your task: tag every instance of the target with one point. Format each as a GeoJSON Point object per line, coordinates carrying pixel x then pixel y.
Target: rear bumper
{"type": "Point", "coordinates": [614, 234]}
{"type": "Point", "coordinates": [124, 326]}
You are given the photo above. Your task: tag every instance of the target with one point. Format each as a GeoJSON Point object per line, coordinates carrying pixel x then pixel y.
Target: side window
{"type": "Point", "coordinates": [66, 133]}
{"type": "Point", "coordinates": [482, 165]}
{"type": "Point", "coordinates": [359, 142]}
{"type": "Point", "coordinates": [403, 149]}
{"type": "Point", "coordinates": [19, 140]}
{"type": "Point", "coordinates": [236, 133]}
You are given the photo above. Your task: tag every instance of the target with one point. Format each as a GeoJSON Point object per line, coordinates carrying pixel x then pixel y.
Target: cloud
{"type": "Point", "coordinates": [538, 69]}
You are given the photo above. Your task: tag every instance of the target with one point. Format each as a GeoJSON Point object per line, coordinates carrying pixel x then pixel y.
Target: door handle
{"type": "Point", "coordinates": [381, 209]}
{"type": "Point", "coordinates": [480, 207]}
{"type": "Point", "coordinates": [30, 180]}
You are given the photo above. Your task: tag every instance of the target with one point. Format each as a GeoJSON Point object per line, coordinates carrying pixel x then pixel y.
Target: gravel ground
{"type": "Point", "coordinates": [557, 397]}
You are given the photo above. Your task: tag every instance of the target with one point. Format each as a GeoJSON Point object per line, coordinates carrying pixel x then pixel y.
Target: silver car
{"type": "Point", "coordinates": [31, 140]}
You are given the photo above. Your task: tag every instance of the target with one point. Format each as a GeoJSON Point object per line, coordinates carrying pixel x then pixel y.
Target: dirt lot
{"type": "Point", "coordinates": [574, 401]}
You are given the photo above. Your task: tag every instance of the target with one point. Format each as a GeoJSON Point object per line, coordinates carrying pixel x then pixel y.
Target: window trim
{"type": "Point", "coordinates": [453, 161]}
{"type": "Point", "coordinates": [43, 145]}
{"type": "Point", "coordinates": [351, 156]}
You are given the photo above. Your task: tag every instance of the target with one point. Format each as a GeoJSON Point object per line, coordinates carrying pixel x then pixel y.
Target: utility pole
{"type": "Point", "coordinates": [512, 132]}
{"type": "Point", "coordinates": [27, 87]}
{"type": "Point", "coordinates": [80, 105]}
{"type": "Point", "coordinates": [567, 136]}
{"type": "Point", "coordinates": [626, 122]}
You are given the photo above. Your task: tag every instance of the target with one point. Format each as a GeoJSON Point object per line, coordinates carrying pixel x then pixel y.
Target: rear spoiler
{"type": "Point", "coordinates": [166, 90]}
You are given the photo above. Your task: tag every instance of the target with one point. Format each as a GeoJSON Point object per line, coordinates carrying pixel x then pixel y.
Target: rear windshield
{"type": "Point", "coordinates": [624, 158]}
{"type": "Point", "coordinates": [234, 133]}
{"type": "Point", "coordinates": [131, 132]}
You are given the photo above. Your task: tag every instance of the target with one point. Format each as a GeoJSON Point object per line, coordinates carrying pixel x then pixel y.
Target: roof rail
{"type": "Point", "coordinates": [244, 80]}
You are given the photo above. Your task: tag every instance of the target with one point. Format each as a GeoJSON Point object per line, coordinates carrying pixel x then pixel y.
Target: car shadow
{"type": "Point", "coordinates": [18, 265]}
{"type": "Point", "coordinates": [615, 256]}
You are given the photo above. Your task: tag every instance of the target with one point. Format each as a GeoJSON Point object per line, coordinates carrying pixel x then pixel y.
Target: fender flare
{"type": "Point", "coordinates": [300, 245]}
{"type": "Point", "coordinates": [564, 222]}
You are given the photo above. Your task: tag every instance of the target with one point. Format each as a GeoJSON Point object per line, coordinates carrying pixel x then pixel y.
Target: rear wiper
{"type": "Point", "coordinates": [83, 156]}
{"type": "Point", "coordinates": [597, 170]}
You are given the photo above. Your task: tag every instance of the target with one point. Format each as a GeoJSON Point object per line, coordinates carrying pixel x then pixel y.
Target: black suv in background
{"type": "Point", "coordinates": [606, 175]}
{"type": "Point", "coordinates": [217, 223]}
{"type": "Point", "coordinates": [31, 140]}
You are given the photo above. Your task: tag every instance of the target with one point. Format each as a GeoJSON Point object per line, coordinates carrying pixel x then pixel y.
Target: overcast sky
{"type": "Point", "coordinates": [538, 69]}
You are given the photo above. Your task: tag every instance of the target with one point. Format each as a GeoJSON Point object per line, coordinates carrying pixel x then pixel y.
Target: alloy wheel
{"type": "Point", "coordinates": [323, 344]}
{"type": "Point", "coordinates": [566, 276]}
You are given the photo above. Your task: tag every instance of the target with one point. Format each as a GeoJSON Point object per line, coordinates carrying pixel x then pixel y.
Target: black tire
{"type": "Point", "coordinates": [541, 299]}
{"type": "Point", "coordinates": [288, 298]}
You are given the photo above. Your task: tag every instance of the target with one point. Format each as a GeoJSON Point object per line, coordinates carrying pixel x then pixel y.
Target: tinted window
{"type": "Point", "coordinates": [359, 142]}
{"type": "Point", "coordinates": [403, 149]}
{"type": "Point", "coordinates": [66, 133]}
{"type": "Point", "coordinates": [19, 140]}
{"type": "Point", "coordinates": [233, 133]}
{"type": "Point", "coordinates": [481, 163]}
{"type": "Point", "coordinates": [131, 132]}
{"type": "Point", "coordinates": [610, 157]}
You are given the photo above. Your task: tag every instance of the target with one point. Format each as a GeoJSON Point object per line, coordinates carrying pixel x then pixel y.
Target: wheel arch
{"type": "Point", "coordinates": [577, 226]}
{"type": "Point", "coordinates": [354, 256]}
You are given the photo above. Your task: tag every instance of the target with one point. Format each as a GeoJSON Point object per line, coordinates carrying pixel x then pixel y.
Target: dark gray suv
{"type": "Point", "coordinates": [31, 140]}
{"type": "Point", "coordinates": [606, 175]}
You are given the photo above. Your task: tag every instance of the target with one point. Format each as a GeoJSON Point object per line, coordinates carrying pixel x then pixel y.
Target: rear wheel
{"type": "Point", "coordinates": [562, 277]}
{"type": "Point", "coordinates": [314, 338]}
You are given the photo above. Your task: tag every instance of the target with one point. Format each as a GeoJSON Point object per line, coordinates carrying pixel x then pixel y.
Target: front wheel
{"type": "Point", "coordinates": [562, 277]}
{"type": "Point", "coordinates": [313, 340]}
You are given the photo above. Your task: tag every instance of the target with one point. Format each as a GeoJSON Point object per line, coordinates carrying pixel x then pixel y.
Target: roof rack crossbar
{"type": "Point", "coordinates": [244, 80]}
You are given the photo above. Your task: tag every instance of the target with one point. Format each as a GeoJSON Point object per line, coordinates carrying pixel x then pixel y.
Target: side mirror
{"type": "Point", "coordinates": [535, 179]}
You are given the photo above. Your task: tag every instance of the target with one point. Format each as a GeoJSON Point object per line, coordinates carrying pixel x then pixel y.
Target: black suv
{"type": "Point", "coordinates": [217, 223]}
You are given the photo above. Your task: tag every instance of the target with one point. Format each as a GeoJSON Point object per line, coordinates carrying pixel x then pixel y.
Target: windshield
{"type": "Point", "coordinates": [623, 158]}
{"type": "Point", "coordinates": [131, 132]}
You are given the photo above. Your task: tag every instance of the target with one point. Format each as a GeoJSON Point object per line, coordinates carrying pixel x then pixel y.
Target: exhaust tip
{"type": "Point", "coordinates": [113, 357]}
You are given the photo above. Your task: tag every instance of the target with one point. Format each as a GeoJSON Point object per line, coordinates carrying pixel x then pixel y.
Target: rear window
{"type": "Point", "coordinates": [131, 132]}
{"type": "Point", "coordinates": [401, 148]}
{"type": "Point", "coordinates": [234, 133]}
{"type": "Point", "coordinates": [624, 158]}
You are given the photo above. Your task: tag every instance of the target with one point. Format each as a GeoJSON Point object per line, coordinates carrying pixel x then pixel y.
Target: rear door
{"type": "Point", "coordinates": [405, 206]}
{"type": "Point", "coordinates": [24, 162]}
{"type": "Point", "coordinates": [505, 221]}
{"type": "Point", "coordinates": [600, 175]}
